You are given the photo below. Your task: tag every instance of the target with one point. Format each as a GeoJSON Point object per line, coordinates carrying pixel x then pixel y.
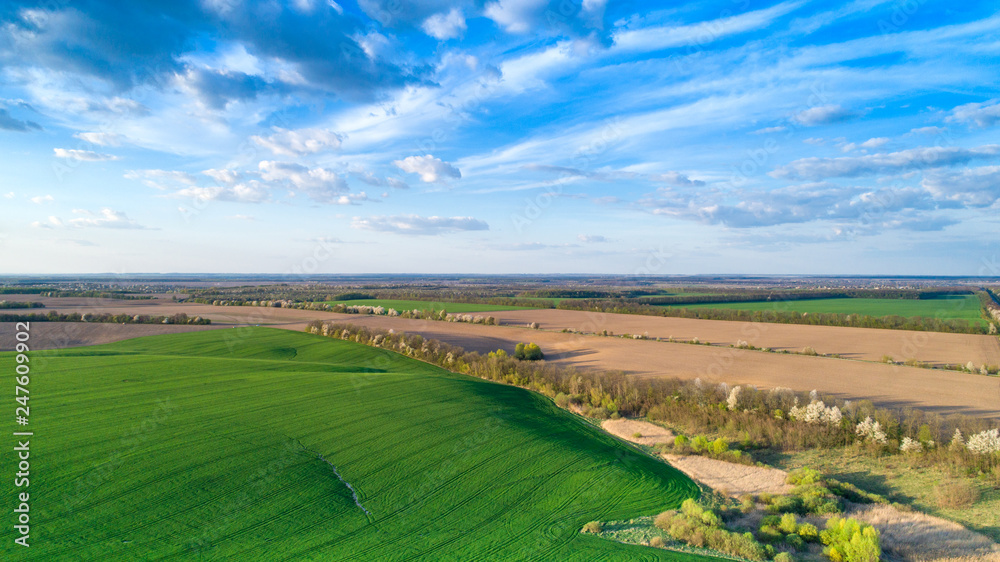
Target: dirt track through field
{"type": "Point", "coordinates": [892, 385]}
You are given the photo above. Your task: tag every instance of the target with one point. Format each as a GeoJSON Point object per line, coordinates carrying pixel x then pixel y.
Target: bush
{"type": "Point", "coordinates": [804, 475]}
{"type": "Point", "coordinates": [956, 495]}
{"type": "Point", "coordinates": [665, 519]}
{"type": "Point", "coordinates": [593, 527]}
{"type": "Point", "coordinates": [680, 442]}
{"type": "Point", "coordinates": [808, 532]}
{"type": "Point", "coordinates": [528, 352]}
{"type": "Point", "coordinates": [720, 446]}
{"type": "Point", "coordinates": [786, 504]}
{"type": "Point", "coordinates": [657, 542]}
{"type": "Point", "coordinates": [795, 541]}
{"type": "Point", "coordinates": [783, 557]}
{"type": "Point", "coordinates": [562, 400]}
{"type": "Point", "coordinates": [849, 540]}
{"type": "Point", "coordinates": [788, 524]}
{"type": "Point", "coordinates": [699, 444]}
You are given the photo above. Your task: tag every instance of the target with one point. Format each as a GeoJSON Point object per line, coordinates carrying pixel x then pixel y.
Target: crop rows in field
{"type": "Point", "coordinates": [214, 444]}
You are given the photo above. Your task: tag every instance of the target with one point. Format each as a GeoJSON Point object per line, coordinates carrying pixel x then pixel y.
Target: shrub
{"type": "Point", "coordinates": [809, 532]}
{"type": "Point", "coordinates": [528, 352]}
{"type": "Point", "coordinates": [593, 527]}
{"type": "Point", "coordinates": [909, 445]}
{"type": "Point", "coordinates": [783, 557]}
{"type": "Point", "coordinates": [562, 400]}
{"type": "Point", "coordinates": [803, 475]}
{"type": "Point", "coordinates": [637, 434]}
{"type": "Point", "coordinates": [956, 495]}
{"type": "Point", "coordinates": [665, 519]}
{"type": "Point", "coordinates": [786, 504]}
{"type": "Point", "coordinates": [680, 442]}
{"type": "Point", "coordinates": [795, 541]}
{"type": "Point", "coordinates": [720, 446]}
{"type": "Point", "coordinates": [788, 524]}
{"type": "Point", "coordinates": [657, 542]}
{"type": "Point", "coordinates": [849, 540]}
{"type": "Point", "coordinates": [985, 442]}
{"type": "Point", "coordinates": [699, 444]}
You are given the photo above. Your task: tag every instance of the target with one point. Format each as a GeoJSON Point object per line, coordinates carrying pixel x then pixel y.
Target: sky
{"type": "Point", "coordinates": [505, 136]}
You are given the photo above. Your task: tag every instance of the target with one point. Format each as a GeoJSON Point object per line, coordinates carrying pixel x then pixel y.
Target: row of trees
{"type": "Point", "coordinates": [7, 305]}
{"type": "Point", "coordinates": [105, 318]}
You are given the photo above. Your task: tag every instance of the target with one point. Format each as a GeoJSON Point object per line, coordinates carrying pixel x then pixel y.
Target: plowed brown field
{"type": "Point", "coordinates": [947, 392]}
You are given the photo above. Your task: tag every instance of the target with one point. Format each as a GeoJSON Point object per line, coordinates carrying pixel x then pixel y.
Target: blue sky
{"type": "Point", "coordinates": [506, 136]}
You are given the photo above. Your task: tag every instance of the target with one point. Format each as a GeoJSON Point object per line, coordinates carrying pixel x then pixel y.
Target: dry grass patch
{"type": "Point", "coordinates": [918, 537]}
{"type": "Point", "coordinates": [636, 431]}
{"type": "Point", "coordinates": [956, 495]}
{"type": "Point", "coordinates": [730, 478]}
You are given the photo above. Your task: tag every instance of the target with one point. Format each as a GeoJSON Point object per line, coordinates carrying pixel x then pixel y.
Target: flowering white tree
{"type": "Point", "coordinates": [957, 440]}
{"type": "Point", "coordinates": [734, 398]}
{"type": "Point", "coordinates": [816, 412]}
{"type": "Point", "coordinates": [985, 442]}
{"type": "Point", "coordinates": [871, 431]}
{"type": "Point", "coordinates": [910, 446]}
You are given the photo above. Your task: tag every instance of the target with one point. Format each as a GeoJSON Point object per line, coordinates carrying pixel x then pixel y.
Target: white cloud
{"type": "Point", "coordinates": [224, 177]}
{"type": "Point", "coordinates": [82, 155]}
{"type": "Point", "coordinates": [9, 195]}
{"type": "Point", "coordinates": [445, 26]}
{"type": "Point", "coordinates": [320, 184]}
{"type": "Point", "coordinates": [162, 179]}
{"type": "Point", "coordinates": [431, 169]}
{"type": "Point", "coordinates": [982, 115]}
{"type": "Point", "coordinates": [418, 225]}
{"type": "Point", "coordinates": [42, 199]}
{"type": "Point", "coordinates": [676, 178]}
{"type": "Point", "coordinates": [243, 217]}
{"type": "Point", "coordinates": [101, 139]}
{"type": "Point", "coordinates": [975, 187]}
{"type": "Point", "coordinates": [822, 115]}
{"type": "Point", "coordinates": [249, 192]}
{"type": "Point", "coordinates": [352, 198]}
{"type": "Point", "coordinates": [300, 142]}
{"type": "Point", "coordinates": [107, 218]}
{"type": "Point", "coordinates": [928, 130]}
{"type": "Point", "coordinates": [515, 16]}
{"type": "Point", "coordinates": [703, 33]}
{"type": "Point", "coordinates": [768, 130]}
{"type": "Point", "coordinates": [876, 142]}
{"type": "Point", "coordinates": [591, 238]}
{"type": "Point", "coordinates": [904, 160]}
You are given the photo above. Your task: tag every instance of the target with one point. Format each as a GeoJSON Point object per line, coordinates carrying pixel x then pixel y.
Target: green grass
{"type": "Point", "coordinates": [901, 479]}
{"type": "Point", "coordinates": [963, 307]}
{"type": "Point", "coordinates": [401, 305]}
{"type": "Point", "coordinates": [204, 446]}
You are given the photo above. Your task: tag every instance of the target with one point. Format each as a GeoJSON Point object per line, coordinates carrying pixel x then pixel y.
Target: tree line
{"type": "Point", "coordinates": [104, 318]}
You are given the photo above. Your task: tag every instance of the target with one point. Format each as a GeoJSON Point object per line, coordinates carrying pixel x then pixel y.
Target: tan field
{"type": "Point", "coordinates": [853, 343]}
{"type": "Point", "coordinates": [891, 385]}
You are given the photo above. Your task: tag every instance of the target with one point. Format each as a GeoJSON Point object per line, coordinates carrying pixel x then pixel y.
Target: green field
{"type": "Point", "coordinates": [963, 307]}
{"type": "Point", "coordinates": [401, 305]}
{"type": "Point", "coordinates": [207, 445]}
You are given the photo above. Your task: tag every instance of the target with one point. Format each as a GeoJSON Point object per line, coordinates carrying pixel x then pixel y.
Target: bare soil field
{"type": "Point", "coordinates": [57, 335]}
{"type": "Point", "coordinates": [891, 385]}
{"type": "Point", "coordinates": [649, 433]}
{"type": "Point", "coordinates": [853, 343]}
{"type": "Point", "coordinates": [731, 478]}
